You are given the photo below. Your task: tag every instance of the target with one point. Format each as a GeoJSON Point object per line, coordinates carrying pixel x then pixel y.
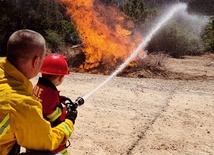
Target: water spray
{"type": "Point", "coordinates": [166, 17]}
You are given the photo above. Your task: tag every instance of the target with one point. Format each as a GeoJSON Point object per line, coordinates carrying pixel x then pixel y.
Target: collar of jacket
{"type": "Point", "coordinates": [7, 69]}
{"type": "Point", "coordinates": [47, 83]}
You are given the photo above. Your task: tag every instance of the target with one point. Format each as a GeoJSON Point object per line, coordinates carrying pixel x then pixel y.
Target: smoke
{"type": "Point", "coordinates": [181, 35]}
{"type": "Point", "coordinates": [193, 22]}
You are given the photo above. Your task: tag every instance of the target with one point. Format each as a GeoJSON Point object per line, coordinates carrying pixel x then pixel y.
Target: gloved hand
{"type": "Point", "coordinates": [63, 99]}
{"type": "Point", "coordinates": [72, 115]}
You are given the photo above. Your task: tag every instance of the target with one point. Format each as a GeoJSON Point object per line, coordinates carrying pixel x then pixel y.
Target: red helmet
{"type": "Point", "coordinates": [55, 64]}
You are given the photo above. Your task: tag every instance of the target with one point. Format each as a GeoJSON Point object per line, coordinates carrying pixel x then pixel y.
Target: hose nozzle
{"type": "Point", "coordinates": [73, 105]}
{"type": "Point", "coordinates": [79, 101]}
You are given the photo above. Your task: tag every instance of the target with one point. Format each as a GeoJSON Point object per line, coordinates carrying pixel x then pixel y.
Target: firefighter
{"type": "Point", "coordinates": [21, 118]}
{"type": "Point", "coordinates": [53, 71]}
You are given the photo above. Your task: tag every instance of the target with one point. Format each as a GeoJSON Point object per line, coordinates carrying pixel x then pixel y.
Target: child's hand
{"type": "Point", "coordinates": [72, 115]}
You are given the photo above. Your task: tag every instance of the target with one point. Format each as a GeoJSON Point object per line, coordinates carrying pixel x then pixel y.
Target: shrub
{"type": "Point", "coordinates": [177, 39]}
{"type": "Point", "coordinates": [208, 36]}
{"type": "Point", "coordinates": [54, 40]}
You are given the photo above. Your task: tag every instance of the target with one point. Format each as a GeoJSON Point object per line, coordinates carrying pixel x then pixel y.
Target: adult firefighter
{"type": "Point", "coordinates": [21, 119]}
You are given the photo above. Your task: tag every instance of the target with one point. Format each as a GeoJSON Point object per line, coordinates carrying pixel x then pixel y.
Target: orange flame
{"type": "Point", "coordinates": [107, 34]}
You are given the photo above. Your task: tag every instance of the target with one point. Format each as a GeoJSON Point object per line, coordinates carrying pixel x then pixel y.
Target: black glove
{"type": "Point", "coordinates": [63, 99]}
{"type": "Point", "coordinates": [72, 115]}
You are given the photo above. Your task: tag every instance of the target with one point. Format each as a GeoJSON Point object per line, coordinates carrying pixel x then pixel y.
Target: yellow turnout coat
{"type": "Point", "coordinates": [21, 117]}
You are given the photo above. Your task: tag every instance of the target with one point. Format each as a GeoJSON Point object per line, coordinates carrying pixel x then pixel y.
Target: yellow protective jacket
{"type": "Point", "coordinates": [21, 117]}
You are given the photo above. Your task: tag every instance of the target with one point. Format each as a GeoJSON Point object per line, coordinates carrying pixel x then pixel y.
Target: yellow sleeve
{"type": "Point", "coordinates": [66, 127]}
{"type": "Point", "coordinates": [32, 131]}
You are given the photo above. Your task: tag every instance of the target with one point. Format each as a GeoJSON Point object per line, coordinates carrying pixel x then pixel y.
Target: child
{"type": "Point", "coordinates": [53, 70]}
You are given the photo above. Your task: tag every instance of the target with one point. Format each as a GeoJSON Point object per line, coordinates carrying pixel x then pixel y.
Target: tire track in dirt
{"type": "Point", "coordinates": [185, 124]}
{"type": "Point", "coordinates": [162, 109]}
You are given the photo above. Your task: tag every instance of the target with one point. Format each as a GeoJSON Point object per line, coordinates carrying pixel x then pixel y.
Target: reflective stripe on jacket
{"type": "Point", "coordinates": [4, 126]}
{"type": "Point", "coordinates": [47, 93]}
{"type": "Point", "coordinates": [21, 117]}
{"type": "Point", "coordinates": [53, 111]}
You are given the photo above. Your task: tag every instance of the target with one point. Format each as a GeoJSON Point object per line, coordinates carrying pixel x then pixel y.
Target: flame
{"type": "Point", "coordinates": [107, 34]}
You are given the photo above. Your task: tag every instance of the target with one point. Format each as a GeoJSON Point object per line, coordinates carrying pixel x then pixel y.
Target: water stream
{"type": "Point", "coordinates": [180, 7]}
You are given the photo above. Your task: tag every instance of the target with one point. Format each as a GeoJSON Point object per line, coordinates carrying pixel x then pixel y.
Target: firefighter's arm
{"type": "Point", "coordinates": [32, 131]}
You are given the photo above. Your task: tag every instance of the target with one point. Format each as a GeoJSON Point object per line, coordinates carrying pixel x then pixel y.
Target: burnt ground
{"type": "Point", "coordinates": [156, 65]}
{"type": "Point", "coordinates": [163, 67]}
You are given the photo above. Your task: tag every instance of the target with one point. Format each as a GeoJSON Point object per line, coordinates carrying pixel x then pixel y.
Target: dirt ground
{"type": "Point", "coordinates": [146, 116]}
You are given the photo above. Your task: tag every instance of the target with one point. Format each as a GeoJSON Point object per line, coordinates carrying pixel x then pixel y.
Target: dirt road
{"type": "Point", "coordinates": [130, 116]}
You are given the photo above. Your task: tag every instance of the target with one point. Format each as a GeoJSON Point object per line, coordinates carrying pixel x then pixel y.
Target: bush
{"type": "Point", "coordinates": [177, 40]}
{"type": "Point", "coordinates": [208, 37]}
{"type": "Point", "coordinates": [54, 40]}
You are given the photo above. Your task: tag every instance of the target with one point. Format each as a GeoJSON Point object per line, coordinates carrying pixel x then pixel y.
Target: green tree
{"type": "Point", "coordinates": [202, 7]}
{"type": "Point", "coordinates": [8, 25]}
{"type": "Point", "coordinates": [46, 17]}
{"type": "Point", "coordinates": [135, 9]}
{"type": "Point", "coordinates": [208, 36]}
